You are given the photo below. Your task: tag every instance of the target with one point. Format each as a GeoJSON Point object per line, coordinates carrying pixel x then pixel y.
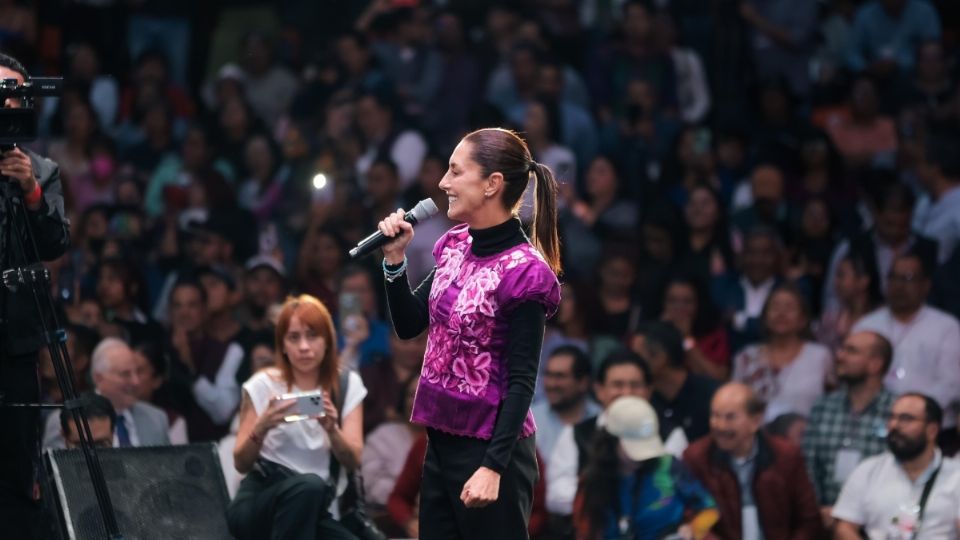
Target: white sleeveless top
{"type": "Point", "coordinates": [302, 446]}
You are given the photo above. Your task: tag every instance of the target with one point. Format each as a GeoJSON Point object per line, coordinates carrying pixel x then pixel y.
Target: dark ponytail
{"type": "Point", "coordinates": [545, 237]}
{"type": "Point", "coordinates": [501, 150]}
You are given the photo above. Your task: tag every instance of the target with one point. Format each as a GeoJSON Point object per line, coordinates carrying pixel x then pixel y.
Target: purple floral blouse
{"type": "Point", "coordinates": [464, 375]}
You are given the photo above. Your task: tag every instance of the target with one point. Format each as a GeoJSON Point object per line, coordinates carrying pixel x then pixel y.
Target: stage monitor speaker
{"type": "Point", "coordinates": [158, 493]}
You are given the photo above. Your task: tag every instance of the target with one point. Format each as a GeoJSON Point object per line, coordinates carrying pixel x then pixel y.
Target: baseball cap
{"type": "Point", "coordinates": [218, 272]}
{"type": "Point", "coordinates": [266, 261]}
{"type": "Point", "coordinates": [634, 422]}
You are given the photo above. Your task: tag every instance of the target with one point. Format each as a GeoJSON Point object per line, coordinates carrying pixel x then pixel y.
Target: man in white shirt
{"type": "Point", "coordinates": [885, 494]}
{"type": "Point", "coordinates": [926, 341]}
{"type": "Point", "coordinates": [115, 377]}
{"type": "Point", "coordinates": [938, 214]}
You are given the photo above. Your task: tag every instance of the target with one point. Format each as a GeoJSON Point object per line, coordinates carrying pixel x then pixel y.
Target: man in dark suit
{"type": "Point", "coordinates": [35, 182]}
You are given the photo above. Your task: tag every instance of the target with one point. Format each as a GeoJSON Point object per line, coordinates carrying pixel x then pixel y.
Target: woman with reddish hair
{"type": "Point", "coordinates": [287, 493]}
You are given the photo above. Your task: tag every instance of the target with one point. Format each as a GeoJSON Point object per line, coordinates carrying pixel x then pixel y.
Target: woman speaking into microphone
{"type": "Point", "coordinates": [484, 306]}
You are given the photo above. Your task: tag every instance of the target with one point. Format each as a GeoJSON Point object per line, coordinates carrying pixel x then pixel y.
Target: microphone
{"type": "Point", "coordinates": [423, 210]}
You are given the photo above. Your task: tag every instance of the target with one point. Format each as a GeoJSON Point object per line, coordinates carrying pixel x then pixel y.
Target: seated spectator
{"type": "Point", "coordinates": [153, 369]}
{"type": "Point", "coordinates": [606, 213]}
{"type": "Point", "coordinates": [576, 127]}
{"type": "Point", "coordinates": [847, 426]}
{"type": "Point", "coordinates": [759, 481]}
{"type": "Point", "coordinates": [769, 206]}
{"type": "Point", "coordinates": [566, 386]}
{"type": "Point", "coordinates": [891, 235]}
{"type": "Point", "coordinates": [101, 418]}
{"type": "Point", "coordinates": [709, 253]}
{"type": "Point", "coordinates": [687, 306]}
{"type": "Point", "coordinates": [386, 449]}
{"type": "Point", "coordinates": [270, 86]}
{"type": "Point", "coordinates": [786, 369]}
{"type": "Point", "coordinates": [321, 258]}
{"type": "Point", "coordinates": [681, 398]}
{"type": "Point", "coordinates": [115, 377]}
{"type": "Point", "coordinates": [866, 137]}
{"type": "Point", "coordinates": [264, 285]}
{"type": "Point", "coordinates": [568, 327]}
{"type": "Point", "coordinates": [789, 426]}
{"type": "Point", "coordinates": [204, 373]}
{"type": "Point", "coordinates": [622, 373]}
{"type": "Point", "coordinates": [384, 137]}
{"type": "Point", "coordinates": [287, 488]}
{"type": "Point", "coordinates": [884, 496]}
{"type": "Point", "coordinates": [385, 380]}
{"type": "Point", "coordinates": [885, 33]}
{"type": "Point", "coordinates": [926, 341]}
{"type": "Point", "coordinates": [628, 464]}
{"type": "Point", "coordinates": [120, 290]}
{"type": "Point", "coordinates": [857, 291]}
{"type": "Point", "coordinates": [611, 311]}
{"type": "Point", "coordinates": [368, 334]}
{"type": "Point", "coordinates": [938, 215]}
{"type": "Point", "coordinates": [741, 296]}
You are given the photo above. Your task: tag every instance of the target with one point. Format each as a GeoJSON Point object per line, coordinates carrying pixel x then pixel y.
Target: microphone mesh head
{"type": "Point", "coordinates": [424, 209]}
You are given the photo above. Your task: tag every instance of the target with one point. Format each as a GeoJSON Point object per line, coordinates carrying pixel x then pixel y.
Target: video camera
{"type": "Point", "coordinates": [19, 125]}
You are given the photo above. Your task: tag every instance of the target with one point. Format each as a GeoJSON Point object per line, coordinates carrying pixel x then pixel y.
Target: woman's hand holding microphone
{"type": "Point", "coordinates": [392, 226]}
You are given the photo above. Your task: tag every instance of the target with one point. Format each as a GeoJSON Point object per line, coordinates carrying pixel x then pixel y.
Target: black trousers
{"type": "Point", "coordinates": [291, 509]}
{"type": "Point", "coordinates": [451, 461]}
{"type": "Point", "coordinates": [19, 447]}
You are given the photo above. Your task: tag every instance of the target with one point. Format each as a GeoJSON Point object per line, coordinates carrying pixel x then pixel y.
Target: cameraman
{"type": "Point", "coordinates": [36, 180]}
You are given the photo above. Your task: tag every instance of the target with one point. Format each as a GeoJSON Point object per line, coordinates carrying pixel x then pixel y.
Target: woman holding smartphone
{"type": "Point", "coordinates": [286, 493]}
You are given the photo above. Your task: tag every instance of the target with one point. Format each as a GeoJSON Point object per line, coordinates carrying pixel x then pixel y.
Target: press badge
{"type": "Point", "coordinates": [846, 461]}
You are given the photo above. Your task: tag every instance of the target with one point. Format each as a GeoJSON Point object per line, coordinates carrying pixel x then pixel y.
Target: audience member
{"type": "Point", "coordinates": [886, 32]}
{"type": "Point", "coordinates": [688, 307]}
{"type": "Point", "coordinates": [385, 379]}
{"type": "Point", "coordinates": [153, 370]}
{"type": "Point", "coordinates": [681, 399]}
{"type": "Point", "coordinates": [566, 386]}
{"type": "Point", "coordinates": [789, 426]}
{"type": "Point", "coordinates": [114, 372]}
{"type": "Point", "coordinates": [621, 373]}
{"type": "Point", "coordinates": [287, 487]}
{"type": "Point", "coordinates": [926, 341]}
{"type": "Point", "coordinates": [889, 237]}
{"type": "Point", "coordinates": [884, 495]}
{"type": "Point", "coordinates": [101, 419]}
{"type": "Point", "coordinates": [741, 297]}
{"type": "Point", "coordinates": [857, 291]}
{"type": "Point", "coordinates": [938, 215]}
{"type": "Point", "coordinates": [628, 463]}
{"type": "Point", "coordinates": [787, 370]}
{"type": "Point", "coordinates": [386, 447]}
{"type": "Point", "coordinates": [759, 481]}
{"type": "Point", "coordinates": [205, 370]}
{"type": "Point", "coordinates": [847, 426]}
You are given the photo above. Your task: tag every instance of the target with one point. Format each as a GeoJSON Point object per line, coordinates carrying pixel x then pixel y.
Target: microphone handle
{"type": "Point", "coordinates": [377, 239]}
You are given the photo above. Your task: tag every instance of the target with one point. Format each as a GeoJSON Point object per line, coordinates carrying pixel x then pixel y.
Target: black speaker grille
{"type": "Point", "coordinates": [158, 493]}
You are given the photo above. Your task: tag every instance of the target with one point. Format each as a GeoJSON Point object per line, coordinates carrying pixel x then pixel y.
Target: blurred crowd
{"type": "Point", "coordinates": [760, 192]}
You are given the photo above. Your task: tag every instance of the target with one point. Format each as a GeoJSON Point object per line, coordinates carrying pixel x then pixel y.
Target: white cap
{"type": "Point", "coordinates": [634, 422]}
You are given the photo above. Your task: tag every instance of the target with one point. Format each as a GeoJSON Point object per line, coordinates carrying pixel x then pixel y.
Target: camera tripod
{"type": "Point", "coordinates": [37, 278]}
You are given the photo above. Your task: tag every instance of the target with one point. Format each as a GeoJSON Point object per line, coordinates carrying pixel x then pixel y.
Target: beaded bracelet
{"type": "Point", "coordinates": [391, 275]}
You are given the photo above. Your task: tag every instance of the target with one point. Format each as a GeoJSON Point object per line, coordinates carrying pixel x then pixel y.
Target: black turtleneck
{"type": "Point", "coordinates": [410, 316]}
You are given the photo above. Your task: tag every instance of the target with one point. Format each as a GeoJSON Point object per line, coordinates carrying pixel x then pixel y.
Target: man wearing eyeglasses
{"type": "Point", "coordinates": [926, 341]}
{"type": "Point", "coordinates": [849, 425]}
{"type": "Point", "coordinates": [910, 492]}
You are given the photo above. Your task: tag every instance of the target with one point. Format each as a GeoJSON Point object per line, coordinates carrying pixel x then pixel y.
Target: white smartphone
{"type": "Point", "coordinates": [309, 405]}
